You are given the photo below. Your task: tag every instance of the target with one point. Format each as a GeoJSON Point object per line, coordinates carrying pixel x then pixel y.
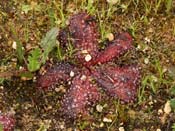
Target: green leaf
{"type": "Point", "coordinates": [33, 59]}
{"type": "Point", "coordinates": [172, 103]}
{"type": "Point", "coordinates": [19, 49]}
{"type": "Point", "coordinates": [172, 90]}
{"type": "Point", "coordinates": [1, 127]}
{"type": "Point", "coordinates": [168, 5]}
{"type": "Point", "coordinates": [173, 127]}
{"type": "Point", "coordinates": [2, 80]}
{"type": "Point", "coordinates": [48, 43]}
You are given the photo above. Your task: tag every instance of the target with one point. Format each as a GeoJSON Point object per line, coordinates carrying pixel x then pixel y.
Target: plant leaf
{"type": "Point", "coordinates": [168, 5]}
{"type": "Point", "coordinates": [19, 49]}
{"type": "Point", "coordinates": [172, 103]}
{"type": "Point", "coordinates": [48, 43]}
{"type": "Point", "coordinates": [1, 127]}
{"type": "Point", "coordinates": [33, 60]}
{"type": "Point", "coordinates": [172, 90]}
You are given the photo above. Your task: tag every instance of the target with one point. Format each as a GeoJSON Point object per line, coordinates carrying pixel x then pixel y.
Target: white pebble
{"type": "Point", "coordinates": [138, 47]}
{"type": "Point", "coordinates": [69, 83]}
{"type": "Point", "coordinates": [158, 130]}
{"type": "Point", "coordinates": [167, 108]}
{"type": "Point", "coordinates": [165, 69]}
{"type": "Point", "coordinates": [146, 60]}
{"type": "Point", "coordinates": [62, 126]}
{"type": "Point", "coordinates": [88, 57]}
{"type": "Point", "coordinates": [147, 40]}
{"type": "Point", "coordinates": [160, 111]}
{"type": "Point", "coordinates": [107, 120]}
{"type": "Point", "coordinates": [121, 129]}
{"type": "Point", "coordinates": [83, 77]}
{"type": "Point", "coordinates": [1, 87]}
{"type": "Point", "coordinates": [112, 1]}
{"type": "Point", "coordinates": [72, 74]}
{"type": "Point", "coordinates": [102, 124]}
{"type": "Point", "coordinates": [110, 36]}
{"type": "Point", "coordinates": [14, 46]}
{"type": "Point", "coordinates": [154, 78]}
{"type": "Point", "coordinates": [99, 108]}
{"type": "Point", "coordinates": [151, 103]}
{"type": "Point", "coordinates": [57, 89]}
{"type": "Point", "coordinates": [84, 51]}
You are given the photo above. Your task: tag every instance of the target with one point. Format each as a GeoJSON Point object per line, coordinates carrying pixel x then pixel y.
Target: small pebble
{"type": "Point", "coordinates": [102, 124]}
{"type": "Point", "coordinates": [83, 77]}
{"type": "Point", "coordinates": [84, 51]}
{"type": "Point", "coordinates": [154, 78]}
{"type": "Point", "coordinates": [121, 124]}
{"type": "Point", "coordinates": [1, 87]}
{"type": "Point", "coordinates": [88, 57]}
{"type": "Point", "coordinates": [69, 82]}
{"type": "Point", "coordinates": [151, 103]}
{"type": "Point", "coordinates": [62, 126]}
{"type": "Point", "coordinates": [34, 78]}
{"type": "Point", "coordinates": [150, 30]}
{"type": "Point", "coordinates": [121, 129]}
{"type": "Point", "coordinates": [158, 130]}
{"type": "Point", "coordinates": [21, 67]}
{"type": "Point", "coordinates": [60, 89]}
{"type": "Point", "coordinates": [107, 120]}
{"type": "Point", "coordinates": [165, 69]}
{"type": "Point", "coordinates": [14, 59]}
{"type": "Point", "coordinates": [147, 40]}
{"type": "Point", "coordinates": [49, 107]}
{"type": "Point", "coordinates": [138, 47]}
{"type": "Point", "coordinates": [99, 108]}
{"type": "Point", "coordinates": [67, 22]}
{"type": "Point", "coordinates": [155, 101]}
{"type": "Point", "coordinates": [72, 74]}
{"type": "Point", "coordinates": [160, 111]}
{"type": "Point", "coordinates": [112, 1]}
{"type": "Point", "coordinates": [146, 60]}
{"type": "Point", "coordinates": [110, 36]}
{"type": "Point", "coordinates": [14, 46]}
{"type": "Point", "coordinates": [23, 78]}
{"type": "Point", "coordinates": [167, 108]}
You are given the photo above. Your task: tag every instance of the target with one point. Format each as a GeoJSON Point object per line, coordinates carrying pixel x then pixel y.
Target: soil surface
{"type": "Point", "coordinates": [152, 26]}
